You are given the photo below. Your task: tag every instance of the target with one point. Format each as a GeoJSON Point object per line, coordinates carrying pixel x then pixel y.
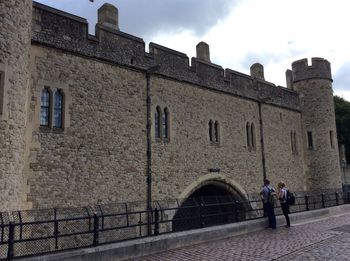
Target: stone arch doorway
{"type": "Point", "coordinates": [214, 202]}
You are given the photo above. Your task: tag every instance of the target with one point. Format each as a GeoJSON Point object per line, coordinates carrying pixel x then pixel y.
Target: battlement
{"type": "Point", "coordinates": [319, 68]}
{"type": "Point", "coordinates": [60, 30]}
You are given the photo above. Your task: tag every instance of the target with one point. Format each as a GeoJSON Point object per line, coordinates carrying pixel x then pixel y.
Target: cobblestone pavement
{"type": "Point", "coordinates": [325, 239]}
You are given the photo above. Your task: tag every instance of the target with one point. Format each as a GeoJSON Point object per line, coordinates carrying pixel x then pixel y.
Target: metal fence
{"type": "Point", "coordinates": [36, 232]}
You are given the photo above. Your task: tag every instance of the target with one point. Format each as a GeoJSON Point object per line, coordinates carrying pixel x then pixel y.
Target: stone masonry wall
{"type": "Point", "coordinates": [281, 163]}
{"type": "Point", "coordinates": [15, 20]}
{"type": "Point", "coordinates": [101, 156]}
{"type": "Point", "coordinates": [187, 157]}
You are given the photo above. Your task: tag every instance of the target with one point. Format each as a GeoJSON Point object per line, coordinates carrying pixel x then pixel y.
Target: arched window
{"type": "Point", "coordinates": [45, 108]}
{"type": "Point", "coordinates": [211, 138]}
{"type": "Point", "coordinates": [58, 109]}
{"type": "Point", "coordinates": [331, 137]}
{"type": "Point", "coordinates": [166, 124]}
{"type": "Point", "coordinates": [252, 133]}
{"type": "Point", "coordinates": [216, 131]}
{"type": "Point", "coordinates": [248, 130]}
{"type": "Point", "coordinates": [157, 123]}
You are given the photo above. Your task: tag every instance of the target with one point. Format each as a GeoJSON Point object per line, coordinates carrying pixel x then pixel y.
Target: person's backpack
{"type": "Point", "coordinates": [272, 197]}
{"type": "Point", "coordinates": [290, 198]}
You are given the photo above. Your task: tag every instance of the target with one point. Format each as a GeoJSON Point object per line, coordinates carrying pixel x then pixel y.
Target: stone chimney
{"type": "Point", "coordinates": [108, 16]}
{"type": "Point", "coordinates": [289, 79]}
{"type": "Point", "coordinates": [257, 71]}
{"type": "Point", "coordinates": [203, 51]}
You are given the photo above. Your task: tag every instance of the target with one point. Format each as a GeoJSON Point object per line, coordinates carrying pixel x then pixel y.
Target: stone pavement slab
{"type": "Point", "coordinates": [323, 239]}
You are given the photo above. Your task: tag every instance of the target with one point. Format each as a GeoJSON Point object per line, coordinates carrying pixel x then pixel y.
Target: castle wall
{"type": "Point", "coordinates": [100, 155]}
{"type": "Point", "coordinates": [15, 20]}
{"type": "Point", "coordinates": [282, 163]}
{"type": "Point", "coordinates": [189, 155]}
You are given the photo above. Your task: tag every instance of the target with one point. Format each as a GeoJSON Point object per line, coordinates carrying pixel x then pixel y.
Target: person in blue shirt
{"type": "Point", "coordinates": [268, 207]}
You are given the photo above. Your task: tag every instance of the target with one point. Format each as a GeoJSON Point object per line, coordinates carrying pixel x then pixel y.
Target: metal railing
{"type": "Point", "coordinates": [36, 232]}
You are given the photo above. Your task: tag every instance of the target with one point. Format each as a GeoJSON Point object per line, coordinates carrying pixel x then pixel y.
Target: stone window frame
{"type": "Point", "coordinates": [309, 139]}
{"type": "Point", "coordinates": [251, 136]}
{"type": "Point", "coordinates": [53, 87]}
{"type": "Point", "coordinates": [54, 105]}
{"type": "Point", "coordinates": [165, 124]}
{"type": "Point", "coordinates": [2, 91]}
{"type": "Point", "coordinates": [161, 124]}
{"type": "Point", "coordinates": [49, 107]}
{"type": "Point", "coordinates": [331, 139]}
{"type": "Point", "coordinates": [5, 74]}
{"type": "Point", "coordinates": [293, 141]}
{"type": "Point", "coordinates": [214, 132]}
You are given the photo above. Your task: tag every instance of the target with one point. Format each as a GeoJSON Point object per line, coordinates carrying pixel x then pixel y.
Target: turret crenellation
{"type": "Point", "coordinates": [319, 68]}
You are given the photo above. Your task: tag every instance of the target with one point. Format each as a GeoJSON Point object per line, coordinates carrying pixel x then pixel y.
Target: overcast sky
{"type": "Point", "coordinates": [239, 32]}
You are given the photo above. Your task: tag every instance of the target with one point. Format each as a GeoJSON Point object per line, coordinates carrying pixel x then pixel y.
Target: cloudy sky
{"type": "Point", "coordinates": [239, 32]}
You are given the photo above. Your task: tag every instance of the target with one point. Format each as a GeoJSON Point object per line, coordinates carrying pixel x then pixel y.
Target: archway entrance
{"type": "Point", "coordinates": [214, 203]}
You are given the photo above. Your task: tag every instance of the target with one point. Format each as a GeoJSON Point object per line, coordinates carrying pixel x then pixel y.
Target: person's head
{"type": "Point", "coordinates": [266, 182]}
{"type": "Point", "coordinates": [281, 184]}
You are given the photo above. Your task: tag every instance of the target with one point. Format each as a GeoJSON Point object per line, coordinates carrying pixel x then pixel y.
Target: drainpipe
{"type": "Point", "coordinates": [262, 140]}
{"type": "Point", "coordinates": [149, 152]}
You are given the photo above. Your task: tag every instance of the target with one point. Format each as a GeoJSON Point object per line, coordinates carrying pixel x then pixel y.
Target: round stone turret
{"type": "Point", "coordinates": [108, 16]}
{"type": "Point", "coordinates": [314, 84]}
{"type": "Point", "coordinates": [15, 28]}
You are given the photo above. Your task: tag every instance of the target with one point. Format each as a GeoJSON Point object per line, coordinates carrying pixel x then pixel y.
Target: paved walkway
{"type": "Point", "coordinates": [325, 239]}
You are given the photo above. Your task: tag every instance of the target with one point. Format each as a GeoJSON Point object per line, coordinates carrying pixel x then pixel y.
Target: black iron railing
{"type": "Point", "coordinates": [37, 232]}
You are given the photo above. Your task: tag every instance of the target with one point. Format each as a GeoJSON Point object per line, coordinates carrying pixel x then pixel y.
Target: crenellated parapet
{"type": "Point", "coordinates": [67, 32]}
{"type": "Point", "coordinates": [319, 68]}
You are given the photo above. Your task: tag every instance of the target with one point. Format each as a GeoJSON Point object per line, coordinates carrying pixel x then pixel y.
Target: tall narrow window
{"type": "Point", "coordinates": [45, 108]}
{"type": "Point", "coordinates": [58, 102]}
{"type": "Point", "coordinates": [295, 142]}
{"type": "Point", "coordinates": [166, 124]}
{"type": "Point", "coordinates": [2, 87]}
{"type": "Point", "coordinates": [157, 122]}
{"type": "Point", "coordinates": [310, 143]}
{"type": "Point", "coordinates": [331, 139]}
{"type": "Point", "coordinates": [216, 131]}
{"type": "Point", "coordinates": [252, 133]}
{"type": "Point", "coordinates": [211, 138]}
{"type": "Point", "coordinates": [248, 130]}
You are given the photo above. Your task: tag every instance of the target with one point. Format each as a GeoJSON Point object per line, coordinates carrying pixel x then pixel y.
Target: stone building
{"type": "Point", "coordinates": [88, 119]}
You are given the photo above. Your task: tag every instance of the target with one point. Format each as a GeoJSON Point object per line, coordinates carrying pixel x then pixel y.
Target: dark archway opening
{"type": "Point", "coordinates": [212, 204]}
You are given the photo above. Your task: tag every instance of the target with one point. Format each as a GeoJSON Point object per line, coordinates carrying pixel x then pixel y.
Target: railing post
{"type": "Point", "coordinates": [236, 210]}
{"type": "Point", "coordinates": [96, 232]}
{"type": "Point", "coordinates": [323, 202]}
{"type": "Point", "coordinates": [264, 210]}
{"type": "Point", "coordinates": [156, 222]}
{"type": "Point", "coordinates": [348, 199]}
{"type": "Point", "coordinates": [11, 241]}
{"type": "Point", "coordinates": [336, 199]}
{"type": "Point", "coordinates": [201, 223]}
{"type": "Point", "coordinates": [307, 202]}
{"type": "Point", "coordinates": [55, 228]}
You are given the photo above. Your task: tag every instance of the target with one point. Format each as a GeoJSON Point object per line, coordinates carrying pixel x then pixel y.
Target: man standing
{"type": "Point", "coordinates": [266, 193]}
